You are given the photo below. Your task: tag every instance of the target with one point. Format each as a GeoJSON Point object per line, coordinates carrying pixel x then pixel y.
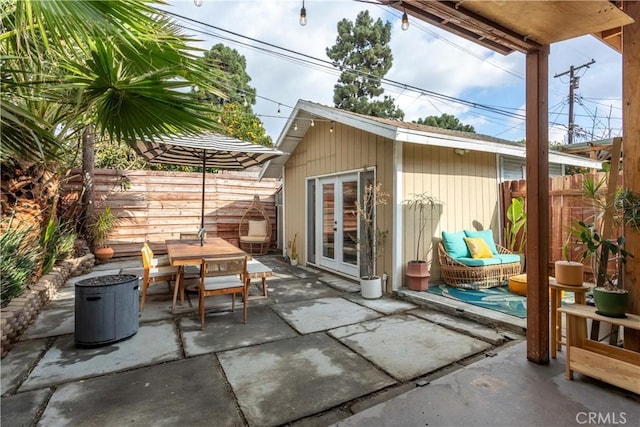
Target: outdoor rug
{"type": "Point", "coordinates": [498, 298]}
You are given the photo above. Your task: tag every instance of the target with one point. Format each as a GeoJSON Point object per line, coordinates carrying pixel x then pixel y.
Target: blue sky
{"type": "Point", "coordinates": [424, 57]}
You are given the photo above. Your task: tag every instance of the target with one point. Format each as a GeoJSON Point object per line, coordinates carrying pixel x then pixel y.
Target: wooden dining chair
{"type": "Point", "coordinates": [155, 270]}
{"type": "Point", "coordinates": [223, 276]}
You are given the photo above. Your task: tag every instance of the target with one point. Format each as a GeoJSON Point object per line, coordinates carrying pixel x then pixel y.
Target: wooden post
{"type": "Point", "coordinates": [537, 104]}
{"type": "Point", "coordinates": [631, 135]}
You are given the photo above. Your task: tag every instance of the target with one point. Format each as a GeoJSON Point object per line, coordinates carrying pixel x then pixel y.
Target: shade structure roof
{"type": "Point", "coordinates": [508, 26]}
{"type": "Point", "coordinates": [219, 151]}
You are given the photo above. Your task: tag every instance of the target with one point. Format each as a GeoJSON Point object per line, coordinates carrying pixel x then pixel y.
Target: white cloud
{"type": "Point", "coordinates": [424, 56]}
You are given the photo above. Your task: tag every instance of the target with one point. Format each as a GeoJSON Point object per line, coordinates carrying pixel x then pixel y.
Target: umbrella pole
{"type": "Point", "coordinates": [204, 174]}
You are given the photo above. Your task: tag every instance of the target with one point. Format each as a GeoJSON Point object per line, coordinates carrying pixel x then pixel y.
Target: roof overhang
{"type": "Point", "coordinates": [522, 26]}
{"type": "Point", "coordinates": [304, 112]}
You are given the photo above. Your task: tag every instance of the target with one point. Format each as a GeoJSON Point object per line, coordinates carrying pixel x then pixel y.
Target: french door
{"type": "Point", "coordinates": [336, 223]}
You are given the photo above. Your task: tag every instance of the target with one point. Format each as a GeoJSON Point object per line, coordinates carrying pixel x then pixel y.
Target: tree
{"type": "Point", "coordinates": [445, 121]}
{"type": "Point", "coordinates": [235, 86]}
{"type": "Point", "coordinates": [363, 54]}
{"type": "Point", "coordinates": [234, 112]}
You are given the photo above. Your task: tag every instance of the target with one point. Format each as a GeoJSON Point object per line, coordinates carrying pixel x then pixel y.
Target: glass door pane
{"type": "Point", "coordinates": [328, 220]}
{"type": "Point", "coordinates": [349, 222]}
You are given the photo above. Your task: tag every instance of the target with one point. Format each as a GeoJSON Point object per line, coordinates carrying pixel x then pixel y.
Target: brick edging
{"type": "Point", "coordinates": [21, 311]}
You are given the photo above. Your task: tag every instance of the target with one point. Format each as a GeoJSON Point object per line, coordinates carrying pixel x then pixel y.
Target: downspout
{"type": "Point", "coordinates": [398, 238]}
{"type": "Point", "coordinates": [284, 213]}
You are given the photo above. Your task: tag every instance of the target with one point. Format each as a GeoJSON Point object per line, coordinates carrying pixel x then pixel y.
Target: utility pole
{"type": "Point", "coordinates": [574, 83]}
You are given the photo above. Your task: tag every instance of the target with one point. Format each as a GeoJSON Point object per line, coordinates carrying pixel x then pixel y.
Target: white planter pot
{"type": "Point", "coordinates": [294, 261]}
{"type": "Point", "coordinates": [371, 288]}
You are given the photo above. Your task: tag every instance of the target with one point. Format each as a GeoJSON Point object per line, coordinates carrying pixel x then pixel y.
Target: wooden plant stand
{"type": "Point", "coordinates": [611, 364]}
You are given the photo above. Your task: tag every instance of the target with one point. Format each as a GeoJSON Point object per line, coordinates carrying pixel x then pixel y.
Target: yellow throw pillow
{"type": "Point", "coordinates": [478, 247]}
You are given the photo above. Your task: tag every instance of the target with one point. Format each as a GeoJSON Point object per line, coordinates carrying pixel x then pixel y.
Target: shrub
{"type": "Point", "coordinates": [18, 263]}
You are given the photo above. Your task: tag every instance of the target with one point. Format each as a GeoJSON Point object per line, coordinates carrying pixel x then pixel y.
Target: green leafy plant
{"type": "Point", "coordinates": [57, 243]}
{"type": "Point", "coordinates": [421, 203]}
{"type": "Point", "coordinates": [18, 263]}
{"type": "Point", "coordinates": [516, 229]}
{"type": "Point", "coordinates": [102, 226]}
{"type": "Point", "coordinates": [293, 247]}
{"type": "Point", "coordinates": [625, 209]}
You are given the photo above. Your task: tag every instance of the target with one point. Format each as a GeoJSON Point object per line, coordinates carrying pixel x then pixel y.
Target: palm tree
{"type": "Point", "coordinates": [119, 69]}
{"type": "Point", "coordinates": [120, 65]}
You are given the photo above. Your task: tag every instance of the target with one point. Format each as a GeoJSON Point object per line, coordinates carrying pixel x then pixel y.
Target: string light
{"type": "Point", "coordinates": [197, 2]}
{"type": "Point", "coordinates": [405, 21]}
{"type": "Point", "coordinates": [331, 128]}
{"type": "Point", "coordinates": [278, 109]}
{"type": "Point", "coordinates": [313, 123]}
{"type": "Point", "coordinates": [295, 126]}
{"type": "Point", "coordinates": [303, 15]}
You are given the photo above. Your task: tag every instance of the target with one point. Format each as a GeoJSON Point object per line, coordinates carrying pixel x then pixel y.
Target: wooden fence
{"type": "Point", "coordinates": [566, 204]}
{"type": "Point", "coordinates": [154, 206]}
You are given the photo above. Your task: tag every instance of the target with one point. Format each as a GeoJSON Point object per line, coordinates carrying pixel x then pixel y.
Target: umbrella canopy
{"type": "Point", "coordinates": [206, 151]}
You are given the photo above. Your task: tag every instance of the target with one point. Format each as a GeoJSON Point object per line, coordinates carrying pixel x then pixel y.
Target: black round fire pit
{"type": "Point", "coordinates": [106, 309]}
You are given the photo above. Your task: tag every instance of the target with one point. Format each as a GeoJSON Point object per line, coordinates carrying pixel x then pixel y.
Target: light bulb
{"type": "Point", "coordinates": [295, 126]}
{"type": "Point", "coordinates": [303, 15]}
{"type": "Point", "coordinates": [331, 128]}
{"type": "Point", "coordinates": [278, 109]}
{"type": "Point", "coordinates": [197, 2]}
{"type": "Point", "coordinates": [313, 123]}
{"type": "Point", "coordinates": [405, 22]}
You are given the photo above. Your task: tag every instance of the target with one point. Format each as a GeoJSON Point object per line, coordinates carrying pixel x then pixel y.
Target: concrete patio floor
{"type": "Point", "coordinates": [313, 353]}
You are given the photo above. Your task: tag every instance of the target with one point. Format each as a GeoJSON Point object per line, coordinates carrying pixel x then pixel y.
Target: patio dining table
{"type": "Point", "coordinates": [190, 252]}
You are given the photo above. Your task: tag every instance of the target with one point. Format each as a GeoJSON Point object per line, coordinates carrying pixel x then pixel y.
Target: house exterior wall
{"type": "Point", "coordinates": [322, 152]}
{"type": "Point", "coordinates": [466, 184]}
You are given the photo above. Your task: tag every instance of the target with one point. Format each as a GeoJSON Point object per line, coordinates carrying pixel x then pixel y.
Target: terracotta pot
{"type": "Point", "coordinates": [569, 273]}
{"type": "Point", "coordinates": [104, 253]}
{"type": "Point", "coordinates": [418, 275]}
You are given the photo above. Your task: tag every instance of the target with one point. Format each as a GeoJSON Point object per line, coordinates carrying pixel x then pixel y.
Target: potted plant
{"type": "Point", "coordinates": [372, 239]}
{"type": "Point", "coordinates": [610, 297]}
{"type": "Point", "coordinates": [293, 248]}
{"type": "Point", "coordinates": [515, 231]}
{"type": "Point", "coordinates": [418, 269]}
{"type": "Point", "coordinates": [102, 226]}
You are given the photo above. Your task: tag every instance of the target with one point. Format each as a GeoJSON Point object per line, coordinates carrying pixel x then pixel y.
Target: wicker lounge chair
{"type": "Point", "coordinates": [255, 229]}
{"type": "Point", "coordinates": [495, 271]}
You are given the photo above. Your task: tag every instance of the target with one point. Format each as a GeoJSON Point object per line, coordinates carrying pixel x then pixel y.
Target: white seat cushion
{"type": "Point", "coordinates": [160, 261]}
{"type": "Point", "coordinates": [255, 267]}
{"type": "Point", "coordinates": [221, 282]}
{"type": "Point", "coordinates": [253, 239]}
{"type": "Point", "coordinates": [162, 271]}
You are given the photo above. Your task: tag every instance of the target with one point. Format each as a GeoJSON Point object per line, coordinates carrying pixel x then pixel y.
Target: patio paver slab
{"type": "Point", "coordinates": [340, 283]}
{"type": "Point", "coordinates": [323, 313]}
{"type": "Point", "coordinates": [226, 331]}
{"type": "Point", "coordinates": [485, 333]}
{"type": "Point", "coordinates": [153, 343]}
{"type": "Point", "coordinates": [287, 291]}
{"type": "Point", "coordinates": [384, 305]}
{"type": "Point", "coordinates": [407, 347]}
{"type": "Point", "coordinates": [21, 409]}
{"type": "Point", "coordinates": [297, 377]}
{"type": "Point", "coordinates": [17, 363]}
{"type": "Point", "coordinates": [187, 392]}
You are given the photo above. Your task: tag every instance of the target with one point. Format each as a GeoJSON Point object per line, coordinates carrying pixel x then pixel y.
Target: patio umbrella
{"type": "Point", "coordinates": [206, 151]}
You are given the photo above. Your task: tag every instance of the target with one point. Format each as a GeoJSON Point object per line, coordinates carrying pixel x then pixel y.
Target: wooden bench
{"type": "Point", "coordinates": [614, 365]}
{"type": "Point", "coordinates": [257, 270]}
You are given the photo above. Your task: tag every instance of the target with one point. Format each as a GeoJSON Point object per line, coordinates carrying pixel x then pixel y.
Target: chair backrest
{"type": "Point", "coordinates": [224, 266]}
{"type": "Point", "coordinates": [147, 256]}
